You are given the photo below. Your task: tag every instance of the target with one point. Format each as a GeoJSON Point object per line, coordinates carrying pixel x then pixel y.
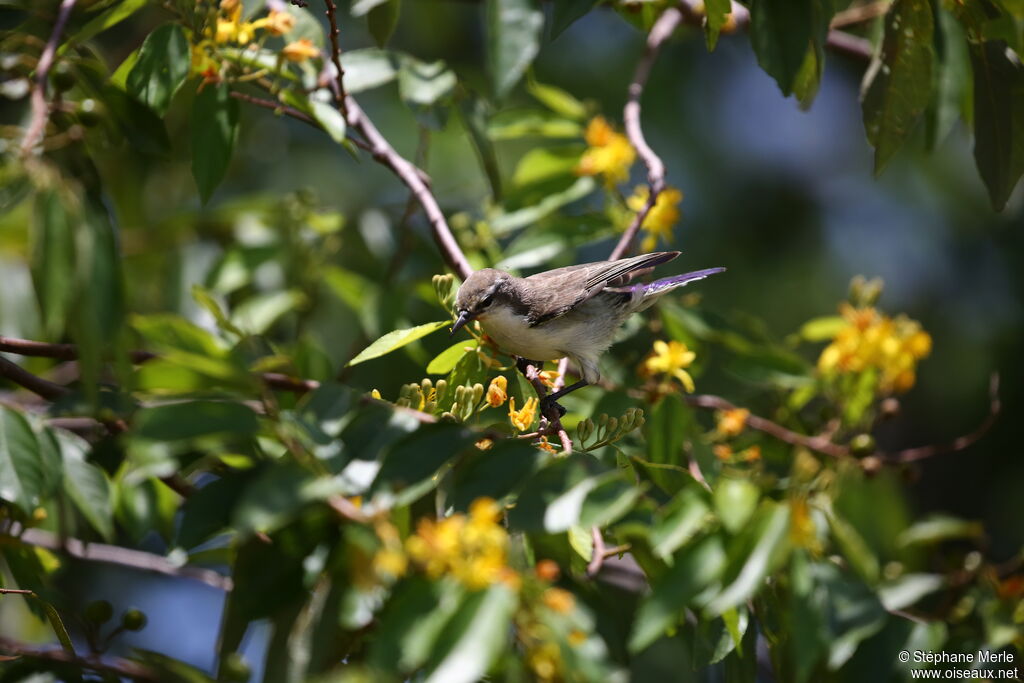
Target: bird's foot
{"type": "Point", "coordinates": [547, 403]}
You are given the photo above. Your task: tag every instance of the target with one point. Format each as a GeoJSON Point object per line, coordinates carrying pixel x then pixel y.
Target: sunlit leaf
{"type": "Point", "coordinates": [396, 340]}
{"type": "Point", "coordinates": [21, 478]}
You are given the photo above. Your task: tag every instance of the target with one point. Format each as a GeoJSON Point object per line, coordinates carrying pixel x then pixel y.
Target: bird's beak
{"type": "Point", "coordinates": [464, 317]}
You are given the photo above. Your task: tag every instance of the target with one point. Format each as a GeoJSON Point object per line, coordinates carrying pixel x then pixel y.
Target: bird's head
{"type": "Point", "coordinates": [477, 294]}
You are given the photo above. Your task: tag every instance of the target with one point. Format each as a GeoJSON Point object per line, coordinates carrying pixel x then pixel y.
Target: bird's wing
{"type": "Point", "coordinates": [556, 292]}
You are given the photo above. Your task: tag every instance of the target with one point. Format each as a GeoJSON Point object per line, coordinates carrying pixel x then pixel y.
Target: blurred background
{"type": "Point", "coordinates": [784, 198]}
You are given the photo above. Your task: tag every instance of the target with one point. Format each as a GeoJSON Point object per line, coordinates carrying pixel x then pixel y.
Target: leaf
{"type": "Point", "coordinates": [854, 548]}
{"type": "Point", "coordinates": [383, 19]}
{"type": "Point", "coordinates": [520, 123]}
{"type": "Point", "coordinates": [53, 258]}
{"type": "Point", "coordinates": [998, 119]}
{"type": "Point", "coordinates": [509, 222]}
{"type": "Point", "coordinates": [412, 622]}
{"type": "Point", "coordinates": [191, 419]}
{"type": "Point", "coordinates": [716, 14]}
{"type": "Point", "coordinates": [938, 528]}
{"type": "Point", "coordinates": [666, 429]}
{"type": "Point", "coordinates": [395, 340]}
{"type": "Point", "coordinates": [473, 638]}
{"type": "Point", "coordinates": [21, 478]}
{"type": "Point", "coordinates": [445, 362]}
{"type": "Point", "coordinates": [543, 164]}
{"type": "Point", "coordinates": [410, 465]}
{"type": "Point", "coordinates": [256, 314]}
{"type": "Point", "coordinates": [362, 7]}
{"type": "Point", "coordinates": [822, 329]}
{"type": "Point", "coordinates": [897, 86]}
{"type": "Point", "coordinates": [424, 83]}
{"type": "Point", "coordinates": [952, 87]}
{"type": "Point", "coordinates": [612, 498]}
{"type": "Point", "coordinates": [329, 118]}
{"type": "Point", "coordinates": [768, 542]}
{"type": "Point", "coordinates": [694, 568]}
{"type": "Point", "coordinates": [85, 484]}
{"type": "Point", "coordinates": [582, 541]}
{"type": "Point", "coordinates": [513, 39]}
{"type": "Point", "coordinates": [368, 68]}
{"type": "Point", "coordinates": [905, 591]}
{"type": "Point", "coordinates": [162, 66]}
{"type": "Point", "coordinates": [780, 33]}
{"type": "Point", "coordinates": [565, 12]}
{"type": "Point", "coordinates": [679, 522]}
{"type": "Point", "coordinates": [110, 17]}
{"type": "Point", "coordinates": [735, 501]}
{"type": "Point", "coordinates": [214, 132]}
{"type": "Point", "coordinates": [557, 100]}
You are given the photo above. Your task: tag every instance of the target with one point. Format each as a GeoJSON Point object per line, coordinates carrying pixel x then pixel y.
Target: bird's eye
{"type": "Point", "coordinates": [487, 301]}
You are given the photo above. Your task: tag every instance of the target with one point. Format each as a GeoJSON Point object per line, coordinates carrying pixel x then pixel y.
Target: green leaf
{"type": "Point", "coordinates": [735, 501]}
{"type": "Point", "coordinates": [362, 7]}
{"type": "Point", "coordinates": [938, 528]}
{"type": "Point", "coordinates": [214, 131]}
{"type": "Point", "coordinates": [542, 164]}
{"type": "Point", "coordinates": [21, 476]}
{"type": "Point", "coordinates": [694, 568]}
{"type": "Point", "coordinates": [191, 419]}
{"type": "Point", "coordinates": [716, 13]}
{"type": "Point", "coordinates": [822, 329]}
{"type": "Point", "coordinates": [412, 622]}
{"type": "Point", "coordinates": [209, 509]}
{"type": "Point", "coordinates": [679, 522]}
{"type": "Point", "coordinates": [256, 314]}
{"type": "Point", "coordinates": [854, 548]}
{"type": "Point", "coordinates": [410, 464]}
{"type": "Point", "coordinates": [953, 81]}
{"type": "Point", "coordinates": [53, 258]}
{"type": "Point", "coordinates": [998, 119]}
{"type": "Point", "coordinates": [582, 541]}
{"type": "Point", "coordinates": [496, 473]}
{"type": "Point", "coordinates": [612, 498]}
{"type": "Point", "coordinates": [905, 591]}
{"type": "Point", "coordinates": [780, 33]}
{"type": "Point", "coordinates": [565, 12]}
{"type": "Point", "coordinates": [897, 86]}
{"type": "Point", "coordinates": [473, 638]}
{"type": "Point", "coordinates": [557, 100]}
{"type": "Point", "coordinates": [424, 83]}
{"type": "Point", "coordinates": [368, 68]}
{"type": "Point", "coordinates": [85, 484]}
{"type": "Point", "coordinates": [512, 124]}
{"type": "Point", "coordinates": [162, 66]}
{"type": "Point", "coordinates": [666, 429]}
{"type": "Point", "coordinates": [382, 20]}
{"type": "Point", "coordinates": [395, 340]}
{"type": "Point", "coordinates": [768, 543]}
{"type": "Point", "coordinates": [101, 22]}
{"type": "Point", "coordinates": [513, 39]}
{"type": "Point", "coordinates": [329, 118]}
{"type": "Point", "coordinates": [445, 362]}
{"type": "Point", "coordinates": [506, 223]}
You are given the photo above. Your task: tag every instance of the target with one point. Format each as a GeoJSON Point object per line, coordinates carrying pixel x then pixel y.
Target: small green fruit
{"type": "Point", "coordinates": [99, 612]}
{"type": "Point", "coordinates": [862, 444]}
{"type": "Point", "coordinates": [134, 620]}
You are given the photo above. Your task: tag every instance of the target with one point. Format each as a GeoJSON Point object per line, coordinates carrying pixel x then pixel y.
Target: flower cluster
{"type": "Point", "coordinates": [659, 221]}
{"type": "Point", "coordinates": [471, 548]}
{"type": "Point", "coordinates": [670, 359]}
{"type": "Point", "coordinates": [870, 340]}
{"type": "Point", "coordinates": [608, 153]}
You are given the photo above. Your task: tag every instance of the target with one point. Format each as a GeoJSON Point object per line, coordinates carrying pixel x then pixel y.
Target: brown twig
{"type": "Point", "coordinates": [116, 666]}
{"type": "Point", "coordinates": [554, 420]}
{"type": "Point", "coordinates": [598, 552]}
{"type": "Point", "coordinates": [660, 32]}
{"type": "Point", "coordinates": [382, 151]}
{"type": "Point", "coordinates": [124, 557]}
{"type": "Point", "coordinates": [860, 13]}
{"type": "Point", "coordinates": [40, 108]}
{"type": "Point", "coordinates": [37, 385]}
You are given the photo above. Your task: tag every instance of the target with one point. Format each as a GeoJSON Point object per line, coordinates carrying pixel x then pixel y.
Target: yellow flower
{"type": "Point", "coordinates": [549, 377]}
{"type": "Point", "coordinates": [558, 600]}
{"type": "Point", "coordinates": [472, 548]}
{"type": "Point", "coordinates": [484, 444]}
{"type": "Point", "coordinates": [390, 562]}
{"type": "Point", "coordinates": [609, 153]}
{"type": "Point", "coordinates": [722, 451]}
{"type": "Point", "coordinates": [731, 422]}
{"type": "Point", "coordinates": [751, 454]}
{"type": "Point", "coordinates": [375, 394]}
{"type": "Point", "coordinates": [670, 359]}
{"type": "Point", "coordinates": [660, 220]}
{"type": "Point", "coordinates": [276, 23]}
{"type": "Point", "coordinates": [871, 340]}
{"type": "Point", "coordinates": [545, 446]}
{"type": "Point", "coordinates": [231, 7]}
{"type": "Point", "coordinates": [522, 419]}
{"type": "Point", "coordinates": [497, 391]}
{"type": "Point", "coordinates": [802, 530]}
{"type": "Point", "coordinates": [300, 50]}
{"type": "Point", "coordinates": [226, 30]}
{"type": "Point", "coordinates": [547, 570]}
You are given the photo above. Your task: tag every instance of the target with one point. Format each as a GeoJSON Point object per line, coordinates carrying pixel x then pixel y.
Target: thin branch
{"type": "Point", "coordinates": [660, 32]}
{"type": "Point", "coordinates": [554, 420]}
{"type": "Point", "coordinates": [960, 443]}
{"type": "Point", "coordinates": [597, 553]}
{"type": "Point", "coordinates": [117, 666]}
{"type": "Point", "coordinates": [37, 385]}
{"type": "Point", "coordinates": [383, 152]}
{"type": "Point", "coordinates": [275, 107]}
{"type": "Point", "coordinates": [860, 13]}
{"type": "Point", "coordinates": [124, 557]}
{"type": "Point", "coordinates": [40, 108]}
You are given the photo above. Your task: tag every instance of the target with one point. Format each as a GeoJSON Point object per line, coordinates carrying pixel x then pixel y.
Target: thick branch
{"type": "Point", "coordinates": [117, 666]}
{"type": "Point", "coordinates": [124, 557]}
{"type": "Point", "coordinates": [37, 385]}
{"type": "Point", "coordinates": [40, 108]}
{"type": "Point", "coordinates": [660, 32]}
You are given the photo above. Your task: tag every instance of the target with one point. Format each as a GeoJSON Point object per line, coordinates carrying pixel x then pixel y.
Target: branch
{"type": "Point", "coordinates": [40, 108]}
{"type": "Point", "coordinates": [37, 385]}
{"type": "Point", "coordinates": [532, 374]}
{"type": "Point", "coordinates": [117, 666]}
{"type": "Point", "coordinates": [660, 32]}
{"type": "Point", "coordinates": [860, 13]}
{"type": "Point", "coordinates": [123, 557]}
{"type": "Point", "coordinates": [383, 152]}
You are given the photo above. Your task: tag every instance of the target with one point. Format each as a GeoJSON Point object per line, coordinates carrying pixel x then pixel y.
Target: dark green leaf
{"type": "Point", "coordinates": [415, 459]}
{"type": "Point", "coordinates": [162, 66]}
{"type": "Point", "coordinates": [694, 568]}
{"type": "Point", "coordinates": [86, 484]}
{"type": "Point", "coordinates": [952, 75]}
{"type": "Point", "coordinates": [383, 19]}
{"type": "Point", "coordinates": [854, 548]}
{"type": "Point", "coordinates": [897, 86]}
{"type": "Point", "coordinates": [513, 39]}
{"type": "Point", "coordinates": [716, 13]}
{"type": "Point", "coordinates": [209, 509]}
{"type": "Point", "coordinates": [101, 22]}
{"type": "Point", "coordinates": [191, 419]}
{"type": "Point", "coordinates": [21, 476]}
{"type": "Point", "coordinates": [412, 623]}
{"type": "Point", "coordinates": [494, 473]}
{"type": "Point", "coordinates": [214, 131]}
{"type": "Point", "coordinates": [780, 32]}
{"type": "Point", "coordinates": [998, 118]}
{"type": "Point", "coordinates": [52, 262]}
{"type": "Point", "coordinates": [681, 519]}
{"type": "Point", "coordinates": [666, 429]}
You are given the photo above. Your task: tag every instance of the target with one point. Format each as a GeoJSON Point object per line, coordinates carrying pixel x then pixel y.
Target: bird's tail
{"type": "Point", "coordinates": [650, 291]}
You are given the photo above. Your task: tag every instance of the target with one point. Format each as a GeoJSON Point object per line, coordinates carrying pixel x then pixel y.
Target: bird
{"type": "Point", "coordinates": [573, 311]}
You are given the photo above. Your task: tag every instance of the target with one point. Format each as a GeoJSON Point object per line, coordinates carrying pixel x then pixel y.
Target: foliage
{"type": "Point", "coordinates": [387, 525]}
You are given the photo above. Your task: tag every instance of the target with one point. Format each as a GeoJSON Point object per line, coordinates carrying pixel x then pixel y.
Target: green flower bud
{"type": "Point", "coordinates": [134, 620]}
{"type": "Point", "coordinates": [99, 612]}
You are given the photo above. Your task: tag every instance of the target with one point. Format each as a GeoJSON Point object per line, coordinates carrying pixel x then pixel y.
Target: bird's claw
{"type": "Point", "coordinates": [547, 403]}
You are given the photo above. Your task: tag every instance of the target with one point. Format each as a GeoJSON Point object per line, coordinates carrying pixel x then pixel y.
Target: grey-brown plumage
{"type": "Point", "coordinates": [573, 311]}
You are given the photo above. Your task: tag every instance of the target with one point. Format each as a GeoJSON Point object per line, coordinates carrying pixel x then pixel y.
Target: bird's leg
{"type": "Point", "coordinates": [551, 400]}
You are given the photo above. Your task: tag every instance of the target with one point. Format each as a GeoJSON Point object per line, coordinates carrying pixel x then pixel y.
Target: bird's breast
{"type": "Point", "coordinates": [513, 334]}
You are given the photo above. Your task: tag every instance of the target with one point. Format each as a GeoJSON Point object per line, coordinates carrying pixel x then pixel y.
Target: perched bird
{"type": "Point", "coordinates": [573, 311]}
